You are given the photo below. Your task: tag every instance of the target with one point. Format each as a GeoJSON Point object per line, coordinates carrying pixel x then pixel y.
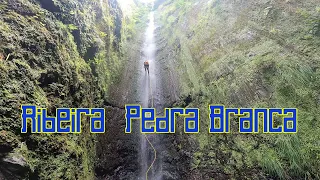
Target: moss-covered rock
{"type": "Point", "coordinates": [245, 54]}
{"type": "Point", "coordinates": [57, 53]}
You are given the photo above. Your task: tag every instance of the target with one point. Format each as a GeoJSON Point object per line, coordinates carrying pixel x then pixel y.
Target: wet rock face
{"type": "Point", "coordinates": [243, 54]}
{"type": "Point", "coordinates": [49, 5]}
{"type": "Point", "coordinates": [13, 166]}
{"type": "Point", "coordinates": [45, 51]}
{"type": "Point", "coordinates": [117, 152]}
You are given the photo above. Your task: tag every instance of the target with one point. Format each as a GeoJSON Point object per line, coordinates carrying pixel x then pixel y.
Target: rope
{"type": "Point", "coordinates": [154, 150]}
{"type": "Point", "coordinates": [155, 157]}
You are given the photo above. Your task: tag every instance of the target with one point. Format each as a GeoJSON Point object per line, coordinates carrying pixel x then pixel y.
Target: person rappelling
{"type": "Point", "coordinates": [146, 66]}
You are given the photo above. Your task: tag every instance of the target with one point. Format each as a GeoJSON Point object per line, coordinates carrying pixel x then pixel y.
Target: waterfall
{"type": "Point", "coordinates": [150, 92]}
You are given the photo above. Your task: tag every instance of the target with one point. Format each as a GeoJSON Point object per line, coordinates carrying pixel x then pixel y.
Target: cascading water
{"type": "Point", "coordinates": [151, 97]}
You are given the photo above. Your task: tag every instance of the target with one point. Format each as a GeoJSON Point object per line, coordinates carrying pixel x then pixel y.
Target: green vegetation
{"type": "Point", "coordinates": [71, 53]}
{"type": "Point", "coordinates": [248, 54]}
{"type": "Point", "coordinates": [72, 27]}
{"type": "Point", "coordinates": [58, 53]}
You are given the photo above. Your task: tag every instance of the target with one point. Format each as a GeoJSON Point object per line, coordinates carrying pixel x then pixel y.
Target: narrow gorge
{"type": "Point", "coordinates": [91, 54]}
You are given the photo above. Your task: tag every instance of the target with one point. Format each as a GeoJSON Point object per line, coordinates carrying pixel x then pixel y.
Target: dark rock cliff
{"type": "Point", "coordinates": [55, 53]}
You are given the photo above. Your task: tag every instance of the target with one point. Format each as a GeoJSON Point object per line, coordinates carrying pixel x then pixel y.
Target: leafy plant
{"type": "Point", "coordinates": [72, 27]}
